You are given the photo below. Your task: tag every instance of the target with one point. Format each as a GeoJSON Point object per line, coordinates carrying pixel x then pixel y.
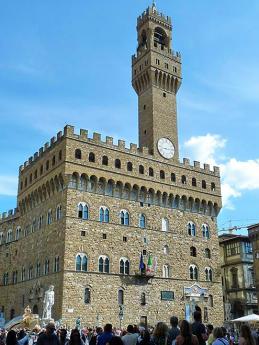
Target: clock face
{"type": "Point", "coordinates": [165, 148]}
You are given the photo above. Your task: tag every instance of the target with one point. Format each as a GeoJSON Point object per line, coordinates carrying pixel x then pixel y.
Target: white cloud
{"type": "Point", "coordinates": [237, 176]}
{"type": "Point", "coordinates": [8, 185]}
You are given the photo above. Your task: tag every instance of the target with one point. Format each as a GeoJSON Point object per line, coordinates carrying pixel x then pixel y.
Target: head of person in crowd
{"type": "Point", "coordinates": [224, 330]}
{"type": "Point", "coordinates": [11, 338]}
{"type": "Point", "coordinates": [98, 330]}
{"type": "Point", "coordinates": [197, 316]}
{"type": "Point", "coordinates": [116, 341]}
{"type": "Point", "coordinates": [21, 334]}
{"type": "Point", "coordinates": [146, 337]}
{"type": "Point", "coordinates": [209, 328]}
{"type": "Point", "coordinates": [50, 328]}
{"type": "Point", "coordinates": [130, 329]}
{"type": "Point", "coordinates": [108, 328]}
{"type": "Point", "coordinates": [63, 334]}
{"type": "Point", "coordinates": [75, 337]}
{"type": "Point", "coordinates": [218, 333]}
{"type": "Point", "coordinates": [174, 321]}
{"type": "Point", "coordinates": [135, 329]}
{"type": "Point", "coordinates": [161, 330]}
{"type": "Point", "coordinates": [197, 308]}
{"type": "Point", "coordinates": [245, 332]}
{"type": "Point", "coordinates": [185, 330]}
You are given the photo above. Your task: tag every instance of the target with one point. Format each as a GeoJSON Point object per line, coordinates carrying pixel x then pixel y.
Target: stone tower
{"type": "Point", "coordinates": [156, 78]}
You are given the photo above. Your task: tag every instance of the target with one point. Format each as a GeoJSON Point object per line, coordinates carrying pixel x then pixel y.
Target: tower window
{"type": "Point", "coordinates": [160, 37]}
{"type": "Point", "coordinates": [162, 174]}
{"type": "Point", "coordinates": [117, 163]}
{"type": "Point", "coordinates": [144, 107]}
{"type": "Point", "coordinates": [104, 236]}
{"type": "Point", "coordinates": [173, 178]}
{"type": "Point", "coordinates": [78, 154]}
{"type": "Point", "coordinates": [203, 184]}
{"type": "Point", "coordinates": [105, 160]}
{"type": "Point", "coordinates": [91, 157]}
{"type": "Point", "coordinates": [213, 187]}
{"type": "Point", "coordinates": [158, 62]}
{"type": "Point", "coordinates": [141, 169]}
{"type": "Point", "coordinates": [129, 166]}
{"type": "Point", "coordinates": [145, 132]}
{"type": "Point", "coordinates": [166, 65]}
{"type": "Point", "coordinates": [194, 183]}
{"type": "Point", "coordinates": [164, 94]}
{"type": "Point", "coordinates": [47, 165]}
{"type": "Point", "coordinates": [151, 172]}
{"type": "Point", "coordinates": [183, 179]}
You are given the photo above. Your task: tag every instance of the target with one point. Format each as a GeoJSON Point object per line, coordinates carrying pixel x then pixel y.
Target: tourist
{"type": "Point", "coordinates": [186, 337]}
{"type": "Point", "coordinates": [130, 338]}
{"type": "Point", "coordinates": [145, 338]}
{"type": "Point", "coordinates": [75, 338]}
{"type": "Point", "coordinates": [198, 328]}
{"type": "Point", "coordinates": [160, 334]}
{"type": "Point", "coordinates": [106, 336]}
{"type": "Point", "coordinates": [218, 335]}
{"type": "Point", "coordinates": [48, 337]}
{"type": "Point", "coordinates": [116, 340]}
{"type": "Point", "coordinates": [63, 336]}
{"type": "Point", "coordinates": [246, 337]}
{"type": "Point", "coordinates": [174, 331]}
{"type": "Point", "coordinates": [210, 334]}
{"type": "Point", "coordinates": [11, 339]}
{"type": "Point", "coordinates": [94, 336]}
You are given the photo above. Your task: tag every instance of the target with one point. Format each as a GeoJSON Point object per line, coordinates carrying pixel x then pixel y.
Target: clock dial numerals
{"type": "Point", "coordinates": [165, 148]}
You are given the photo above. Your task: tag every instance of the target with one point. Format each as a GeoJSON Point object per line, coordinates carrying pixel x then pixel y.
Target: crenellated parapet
{"type": "Point", "coordinates": [109, 142]}
{"type": "Point", "coordinates": [153, 14]}
{"type": "Point", "coordinates": [10, 214]}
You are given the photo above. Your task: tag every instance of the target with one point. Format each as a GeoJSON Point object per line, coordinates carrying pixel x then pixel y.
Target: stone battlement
{"type": "Point", "coordinates": [176, 56]}
{"type": "Point", "coordinates": [69, 132]}
{"type": "Point", "coordinates": [152, 11]}
{"type": "Point", "coordinates": [9, 214]}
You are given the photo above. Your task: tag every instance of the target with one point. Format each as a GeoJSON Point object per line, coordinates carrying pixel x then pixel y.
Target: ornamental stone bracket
{"type": "Point", "coordinates": [195, 292]}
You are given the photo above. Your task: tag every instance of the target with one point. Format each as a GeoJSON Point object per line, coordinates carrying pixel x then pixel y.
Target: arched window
{"type": "Point", "coordinates": [9, 236]}
{"type": "Point", "coordinates": [38, 269]}
{"type": "Point", "coordinates": [193, 251]}
{"type": "Point", "coordinates": [193, 272]}
{"type": "Point", "coordinates": [49, 217]}
{"type": "Point", "coordinates": [120, 297]}
{"type": "Point", "coordinates": [183, 179]}
{"type": "Point", "coordinates": [117, 163]}
{"type": "Point", "coordinates": [18, 234]}
{"type": "Point", "coordinates": [87, 296]}
{"type": "Point", "coordinates": [151, 172]}
{"type": "Point", "coordinates": [208, 274]}
{"type": "Point", "coordinates": [142, 221]}
{"type": "Point", "coordinates": [207, 253]}
{"type": "Point", "coordinates": [141, 169]}
{"type": "Point", "coordinates": [91, 157]}
{"type": "Point", "coordinates": [30, 272]}
{"type": "Point", "coordinates": [210, 301]}
{"type": "Point", "coordinates": [46, 267]}
{"type": "Point", "coordinates": [1, 238]}
{"type": "Point", "coordinates": [56, 264]}
{"type": "Point", "coordinates": [162, 174]}
{"type": "Point", "coordinates": [160, 37]}
{"type": "Point", "coordinates": [191, 229]}
{"type": "Point", "coordinates": [34, 225]}
{"type": "Point", "coordinates": [124, 217]}
{"type": "Point", "coordinates": [60, 155]}
{"type": "Point", "coordinates": [23, 274]}
{"type": "Point", "coordinates": [129, 166]}
{"type": "Point", "coordinates": [105, 160]}
{"type": "Point", "coordinates": [173, 178]}
{"type": "Point", "coordinates": [40, 221]}
{"type": "Point", "coordinates": [124, 266]}
{"type": "Point", "coordinates": [104, 264]}
{"type": "Point", "coordinates": [143, 298]}
{"type": "Point", "coordinates": [194, 182]}
{"type": "Point", "coordinates": [166, 249]}
{"type": "Point", "coordinates": [213, 186]}
{"type": "Point", "coordinates": [165, 224]}
{"type": "Point", "coordinates": [104, 214]}
{"type": "Point", "coordinates": [78, 154]}
{"type": "Point", "coordinates": [203, 184]}
{"type": "Point", "coordinates": [205, 231]}
{"type": "Point", "coordinates": [165, 271]}
{"type": "Point", "coordinates": [83, 211]}
{"type": "Point", "coordinates": [53, 160]}
{"type": "Point", "coordinates": [58, 212]}
{"type": "Point", "coordinates": [81, 262]}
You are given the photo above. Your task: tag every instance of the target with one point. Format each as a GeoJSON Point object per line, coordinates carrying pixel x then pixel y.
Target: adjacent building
{"type": "Point", "coordinates": [124, 234]}
{"type": "Point", "coordinates": [239, 290]}
{"type": "Point", "coordinates": [253, 233]}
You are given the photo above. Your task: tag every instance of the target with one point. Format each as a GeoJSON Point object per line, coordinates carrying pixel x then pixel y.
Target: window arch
{"type": "Point", "coordinates": [183, 179]}
{"type": "Point", "coordinates": [91, 157]}
{"type": "Point", "coordinates": [49, 217]}
{"type": "Point", "coordinates": [205, 231]}
{"type": "Point", "coordinates": [151, 172]}
{"type": "Point", "coordinates": [165, 271]}
{"type": "Point", "coordinates": [191, 229]}
{"type": "Point", "coordinates": [1, 238]}
{"type": "Point", "coordinates": [81, 262]}
{"type": "Point", "coordinates": [207, 253]}
{"type": "Point", "coordinates": [124, 266]}
{"type": "Point", "coordinates": [203, 184]}
{"type": "Point", "coordinates": [105, 160]}
{"type": "Point", "coordinates": [47, 165]}
{"type": "Point", "coordinates": [104, 264]}
{"type": "Point", "coordinates": [141, 169]}
{"type": "Point", "coordinates": [53, 160]}
{"type": "Point", "coordinates": [58, 212]}
{"type": "Point", "coordinates": [129, 166]}
{"type": "Point", "coordinates": [87, 296]}
{"type": "Point", "coordinates": [210, 301]}
{"type": "Point", "coordinates": [56, 264]}
{"type": "Point", "coordinates": [160, 37]}
{"type": "Point", "coordinates": [38, 269]}
{"type": "Point", "coordinates": [193, 272]}
{"type": "Point", "coordinates": [9, 236]}
{"type": "Point", "coordinates": [124, 217]}
{"type": "Point", "coordinates": [165, 224]}
{"type": "Point", "coordinates": [193, 251]}
{"type": "Point", "coordinates": [104, 214]}
{"type": "Point", "coordinates": [83, 211]}
{"type": "Point", "coordinates": [208, 274]}
{"type": "Point", "coordinates": [162, 174]}
{"type": "Point", "coordinates": [194, 182]}
{"type": "Point", "coordinates": [142, 221]}
{"type": "Point", "coordinates": [213, 187]}
{"type": "Point", "coordinates": [23, 274]}
{"type": "Point", "coordinates": [166, 249]}
{"type": "Point", "coordinates": [78, 154]}
{"type": "Point", "coordinates": [117, 163]}
{"type": "Point", "coordinates": [120, 297]}
{"type": "Point", "coordinates": [46, 267]}
{"type": "Point", "coordinates": [173, 177]}
{"type": "Point", "coordinates": [30, 272]}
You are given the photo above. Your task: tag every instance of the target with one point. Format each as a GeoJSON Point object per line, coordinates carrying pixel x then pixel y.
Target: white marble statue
{"type": "Point", "coordinates": [48, 302]}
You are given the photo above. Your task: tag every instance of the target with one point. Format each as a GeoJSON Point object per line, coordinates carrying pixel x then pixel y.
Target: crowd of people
{"type": "Point", "coordinates": [179, 333]}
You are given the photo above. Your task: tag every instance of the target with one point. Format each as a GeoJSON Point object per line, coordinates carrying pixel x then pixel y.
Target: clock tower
{"type": "Point", "coordinates": [156, 78]}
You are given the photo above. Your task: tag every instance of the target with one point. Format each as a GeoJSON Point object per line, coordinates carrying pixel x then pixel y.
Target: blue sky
{"type": "Point", "coordinates": [70, 62]}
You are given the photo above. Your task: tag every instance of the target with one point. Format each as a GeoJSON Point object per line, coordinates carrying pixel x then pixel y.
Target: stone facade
{"type": "Point", "coordinates": [239, 291]}
{"type": "Point", "coordinates": [59, 235]}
